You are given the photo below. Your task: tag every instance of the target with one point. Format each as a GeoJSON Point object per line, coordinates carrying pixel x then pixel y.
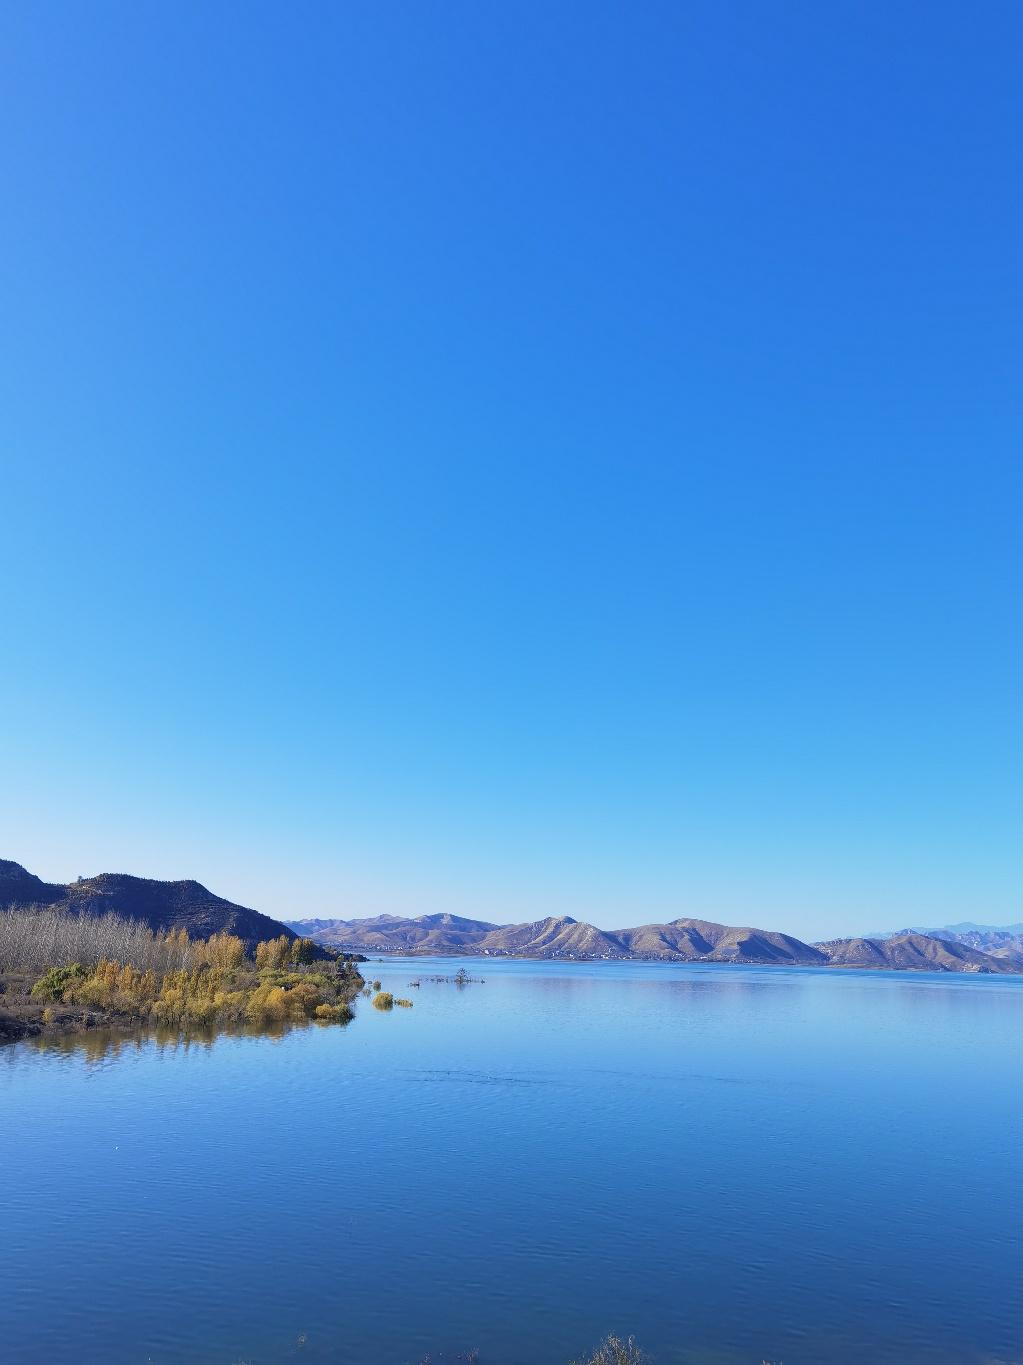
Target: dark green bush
{"type": "Point", "coordinates": [56, 981]}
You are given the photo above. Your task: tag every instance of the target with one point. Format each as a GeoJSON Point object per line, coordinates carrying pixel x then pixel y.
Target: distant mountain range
{"type": "Point", "coordinates": [189, 905]}
{"type": "Point", "coordinates": [162, 905]}
{"type": "Point", "coordinates": [1004, 941]}
{"type": "Point", "coordinates": [681, 940]}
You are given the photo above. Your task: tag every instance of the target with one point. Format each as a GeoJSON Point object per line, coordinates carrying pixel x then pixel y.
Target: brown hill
{"type": "Point", "coordinates": [162, 905]}
{"type": "Point", "coordinates": [682, 940]}
{"type": "Point", "coordinates": [1013, 954]}
{"type": "Point", "coordinates": [697, 939]}
{"type": "Point", "coordinates": [559, 936]}
{"type": "Point", "coordinates": [393, 934]}
{"type": "Point", "coordinates": [1005, 942]}
{"type": "Point", "coordinates": [912, 952]}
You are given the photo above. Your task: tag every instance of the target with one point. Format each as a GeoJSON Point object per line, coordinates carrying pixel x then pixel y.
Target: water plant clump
{"type": "Point", "coordinates": [615, 1351]}
{"type": "Point", "coordinates": [383, 1000]}
{"type": "Point", "coordinates": [334, 1014]}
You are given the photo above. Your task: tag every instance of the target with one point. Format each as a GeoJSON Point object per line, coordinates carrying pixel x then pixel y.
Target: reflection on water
{"type": "Point", "coordinates": [736, 1164]}
{"type": "Point", "coordinates": [105, 1044]}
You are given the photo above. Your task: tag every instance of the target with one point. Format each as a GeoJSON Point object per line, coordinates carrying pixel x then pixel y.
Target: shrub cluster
{"type": "Point", "coordinates": [126, 971]}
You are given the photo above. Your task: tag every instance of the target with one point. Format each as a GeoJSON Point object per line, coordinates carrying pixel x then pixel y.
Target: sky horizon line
{"type": "Point", "coordinates": [620, 924]}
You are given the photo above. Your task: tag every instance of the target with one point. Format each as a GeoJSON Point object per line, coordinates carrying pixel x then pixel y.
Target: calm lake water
{"type": "Point", "coordinates": [736, 1164]}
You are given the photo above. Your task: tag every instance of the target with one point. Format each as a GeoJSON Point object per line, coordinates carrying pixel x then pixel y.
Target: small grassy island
{"type": "Point", "coordinates": [62, 973]}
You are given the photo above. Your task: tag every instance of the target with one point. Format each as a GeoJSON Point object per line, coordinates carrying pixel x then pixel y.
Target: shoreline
{"type": "Point", "coordinates": [383, 955]}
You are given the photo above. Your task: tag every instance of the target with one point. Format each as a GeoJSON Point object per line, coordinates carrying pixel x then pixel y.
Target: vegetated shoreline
{"type": "Point", "coordinates": [62, 973]}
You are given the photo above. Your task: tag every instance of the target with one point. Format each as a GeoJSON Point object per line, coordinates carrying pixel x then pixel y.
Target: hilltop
{"type": "Point", "coordinates": [697, 939]}
{"type": "Point", "coordinates": [162, 906]}
{"type": "Point", "coordinates": [680, 940]}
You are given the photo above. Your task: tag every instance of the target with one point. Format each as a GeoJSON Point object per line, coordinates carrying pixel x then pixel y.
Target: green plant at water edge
{"type": "Point", "coordinates": [57, 980]}
{"type": "Point", "coordinates": [615, 1351]}
{"type": "Point", "coordinates": [334, 1014]}
{"type": "Point", "coordinates": [383, 1001]}
{"type": "Point", "coordinates": [405, 1004]}
{"type": "Point", "coordinates": [376, 985]}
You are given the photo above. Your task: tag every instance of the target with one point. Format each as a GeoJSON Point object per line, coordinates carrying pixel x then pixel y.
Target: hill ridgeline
{"type": "Point", "coordinates": [161, 905]}
{"type": "Point", "coordinates": [190, 906]}
{"type": "Point", "coordinates": [681, 940]}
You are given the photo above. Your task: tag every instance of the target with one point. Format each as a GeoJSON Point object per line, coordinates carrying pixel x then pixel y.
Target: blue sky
{"type": "Point", "coordinates": [516, 459]}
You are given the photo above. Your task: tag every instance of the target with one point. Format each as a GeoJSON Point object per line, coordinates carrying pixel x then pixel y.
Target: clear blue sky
{"type": "Point", "coordinates": [517, 458]}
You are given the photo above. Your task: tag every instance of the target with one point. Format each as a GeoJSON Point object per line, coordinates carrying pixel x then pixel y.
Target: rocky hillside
{"type": "Point", "coordinates": [682, 940]}
{"type": "Point", "coordinates": [913, 952]}
{"type": "Point", "coordinates": [552, 937]}
{"type": "Point", "coordinates": [1002, 941]}
{"type": "Point", "coordinates": [162, 905]}
{"type": "Point", "coordinates": [697, 939]}
{"type": "Point", "coordinates": [557, 936]}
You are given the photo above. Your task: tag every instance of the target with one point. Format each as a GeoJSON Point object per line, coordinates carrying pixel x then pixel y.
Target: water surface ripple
{"type": "Point", "coordinates": [737, 1164]}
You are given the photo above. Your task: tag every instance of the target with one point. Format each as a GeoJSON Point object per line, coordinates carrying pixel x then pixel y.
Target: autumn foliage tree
{"type": "Point", "coordinates": [130, 972]}
{"type": "Point", "coordinates": [274, 953]}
